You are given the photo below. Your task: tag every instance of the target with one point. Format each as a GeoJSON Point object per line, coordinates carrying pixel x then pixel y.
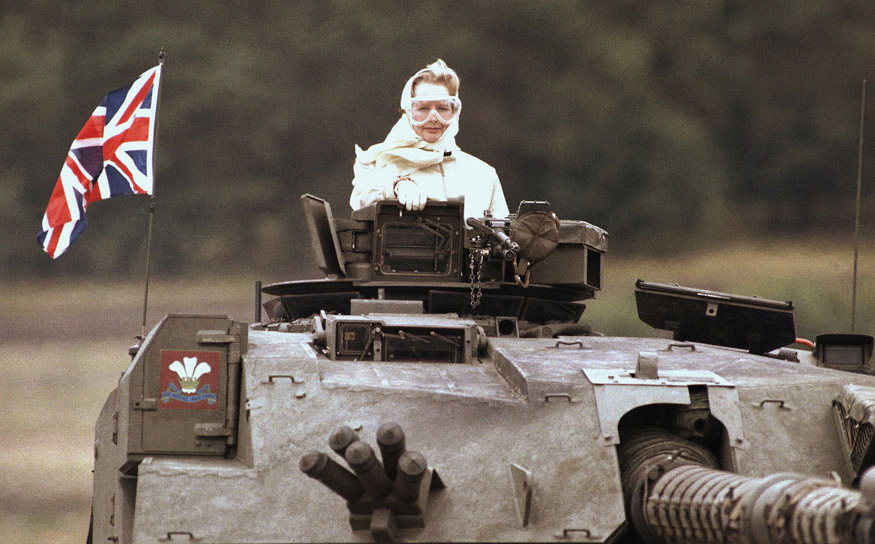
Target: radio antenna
{"type": "Point", "coordinates": [857, 217]}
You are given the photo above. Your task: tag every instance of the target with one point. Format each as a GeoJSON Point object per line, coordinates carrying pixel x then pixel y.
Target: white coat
{"type": "Point", "coordinates": [458, 174]}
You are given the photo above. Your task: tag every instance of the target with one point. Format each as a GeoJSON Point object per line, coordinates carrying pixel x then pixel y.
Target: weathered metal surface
{"type": "Point", "coordinates": [472, 424]}
{"type": "Point", "coordinates": [284, 427]}
{"type": "Point", "coordinates": [502, 438]}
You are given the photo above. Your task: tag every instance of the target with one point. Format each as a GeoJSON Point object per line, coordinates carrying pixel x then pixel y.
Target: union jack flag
{"type": "Point", "coordinates": [111, 156]}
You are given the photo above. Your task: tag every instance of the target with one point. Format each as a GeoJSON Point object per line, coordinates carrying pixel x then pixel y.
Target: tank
{"type": "Point", "coordinates": [441, 384]}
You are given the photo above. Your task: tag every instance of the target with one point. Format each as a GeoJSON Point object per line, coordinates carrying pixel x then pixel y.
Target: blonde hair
{"type": "Point", "coordinates": [437, 73]}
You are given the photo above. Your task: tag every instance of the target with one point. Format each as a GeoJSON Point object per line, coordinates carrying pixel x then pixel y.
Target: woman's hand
{"type": "Point", "coordinates": [410, 194]}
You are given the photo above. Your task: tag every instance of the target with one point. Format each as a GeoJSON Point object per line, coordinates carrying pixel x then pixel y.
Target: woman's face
{"type": "Point", "coordinates": [432, 129]}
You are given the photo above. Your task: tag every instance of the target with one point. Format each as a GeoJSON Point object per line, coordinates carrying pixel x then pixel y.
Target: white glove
{"type": "Point", "coordinates": [410, 194]}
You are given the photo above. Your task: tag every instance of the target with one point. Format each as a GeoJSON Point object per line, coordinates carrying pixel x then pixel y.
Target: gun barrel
{"type": "Point", "coordinates": [480, 226]}
{"type": "Point", "coordinates": [673, 495]}
{"type": "Point", "coordinates": [781, 508]}
{"type": "Point", "coordinates": [506, 248]}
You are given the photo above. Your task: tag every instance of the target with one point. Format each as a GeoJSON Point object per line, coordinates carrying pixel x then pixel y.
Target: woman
{"type": "Point", "coordinates": [419, 159]}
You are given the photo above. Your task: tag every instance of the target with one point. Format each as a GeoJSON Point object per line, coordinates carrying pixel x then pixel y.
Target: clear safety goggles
{"type": "Point", "coordinates": [444, 108]}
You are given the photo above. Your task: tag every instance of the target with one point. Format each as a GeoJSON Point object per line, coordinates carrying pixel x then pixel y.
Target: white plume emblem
{"type": "Point", "coordinates": [189, 372]}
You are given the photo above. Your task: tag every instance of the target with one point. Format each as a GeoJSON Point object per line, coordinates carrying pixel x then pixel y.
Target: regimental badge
{"type": "Point", "coordinates": [190, 379]}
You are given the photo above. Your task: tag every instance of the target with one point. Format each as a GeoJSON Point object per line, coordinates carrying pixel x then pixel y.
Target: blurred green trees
{"type": "Point", "coordinates": [669, 124]}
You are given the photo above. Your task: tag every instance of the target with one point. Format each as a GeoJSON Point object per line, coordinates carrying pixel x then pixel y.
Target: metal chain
{"type": "Point", "coordinates": [475, 276]}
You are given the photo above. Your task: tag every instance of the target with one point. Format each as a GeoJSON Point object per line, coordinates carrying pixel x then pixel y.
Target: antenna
{"type": "Point", "coordinates": [857, 217]}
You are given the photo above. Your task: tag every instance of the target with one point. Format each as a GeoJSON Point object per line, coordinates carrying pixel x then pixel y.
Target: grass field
{"type": "Point", "coordinates": [62, 350]}
{"type": "Point", "coordinates": [816, 275]}
{"type": "Point", "coordinates": [63, 347]}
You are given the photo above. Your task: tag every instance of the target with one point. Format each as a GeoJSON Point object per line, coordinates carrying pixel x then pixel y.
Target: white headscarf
{"type": "Point", "coordinates": [404, 151]}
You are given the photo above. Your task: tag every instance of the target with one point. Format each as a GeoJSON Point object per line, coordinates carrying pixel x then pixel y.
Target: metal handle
{"type": "Point", "coordinates": [570, 343]}
{"type": "Point", "coordinates": [549, 396]}
{"type": "Point", "coordinates": [273, 377]}
{"type": "Point", "coordinates": [782, 405]}
{"type": "Point", "coordinates": [567, 533]}
{"type": "Point", "coordinates": [171, 534]}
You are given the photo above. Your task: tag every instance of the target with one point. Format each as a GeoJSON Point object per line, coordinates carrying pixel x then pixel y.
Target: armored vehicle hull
{"type": "Point", "coordinates": [504, 420]}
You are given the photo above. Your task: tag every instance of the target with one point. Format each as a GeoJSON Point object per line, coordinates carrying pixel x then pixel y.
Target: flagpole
{"type": "Point", "coordinates": [142, 336]}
